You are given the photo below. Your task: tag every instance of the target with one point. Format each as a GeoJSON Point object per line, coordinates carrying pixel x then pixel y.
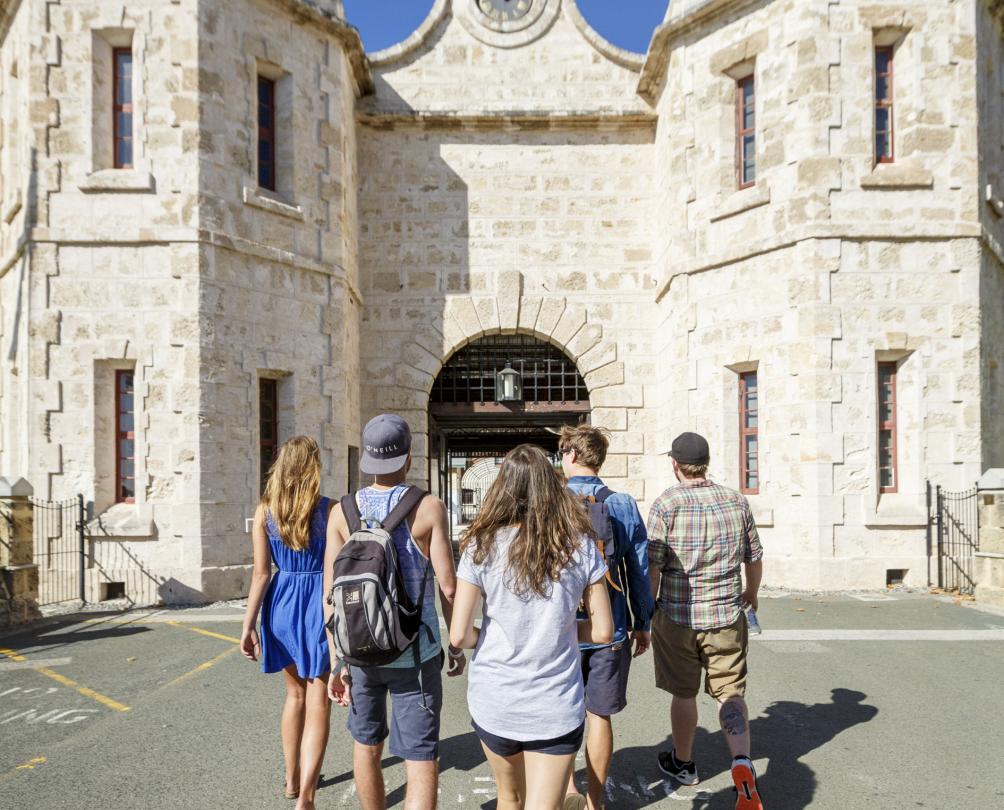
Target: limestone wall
{"type": "Point", "coordinates": [485, 231]}
{"type": "Point", "coordinates": [826, 266]}
{"type": "Point", "coordinates": [990, 89]}
{"type": "Point", "coordinates": [278, 297]}
{"type": "Point", "coordinates": [17, 193]}
{"type": "Point", "coordinates": [459, 67]}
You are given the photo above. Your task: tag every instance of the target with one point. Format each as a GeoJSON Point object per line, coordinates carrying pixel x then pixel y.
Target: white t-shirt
{"type": "Point", "coordinates": [525, 680]}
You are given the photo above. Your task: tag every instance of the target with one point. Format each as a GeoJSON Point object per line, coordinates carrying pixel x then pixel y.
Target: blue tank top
{"type": "Point", "coordinates": [416, 568]}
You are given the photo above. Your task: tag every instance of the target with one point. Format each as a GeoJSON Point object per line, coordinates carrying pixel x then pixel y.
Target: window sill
{"type": "Point", "coordinates": [743, 200]}
{"type": "Point", "coordinates": [129, 520]}
{"type": "Point", "coordinates": [261, 198]}
{"type": "Point", "coordinates": [118, 181]}
{"type": "Point", "coordinates": [897, 176]}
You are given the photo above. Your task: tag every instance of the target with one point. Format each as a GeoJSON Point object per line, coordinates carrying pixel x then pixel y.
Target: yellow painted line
{"type": "Point", "coordinates": [31, 764]}
{"type": "Point", "coordinates": [104, 700]}
{"type": "Point", "coordinates": [209, 633]}
{"type": "Point", "coordinates": [201, 668]}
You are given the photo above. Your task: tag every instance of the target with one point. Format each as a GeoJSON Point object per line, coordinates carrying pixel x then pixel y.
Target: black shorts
{"type": "Point", "coordinates": [605, 675]}
{"type": "Point", "coordinates": [560, 746]}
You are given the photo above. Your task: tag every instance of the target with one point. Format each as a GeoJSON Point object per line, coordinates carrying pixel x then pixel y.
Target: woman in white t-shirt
{"type": "Point", "coordinates": [530, 561]}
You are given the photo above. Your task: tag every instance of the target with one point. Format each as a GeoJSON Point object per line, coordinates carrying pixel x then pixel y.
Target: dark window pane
{"type": "Point", "coordinates": [881, 88]}
{"type": "Point", "coordinates": [126, 423]}
{"type": "Point", "coordinates": [127, 468]}
{"type": "Point", "coordinates": [749, 117]}
{"type": "Point", "coordinates": [127, 489]}
{"type": "Point", "coordinates": [127, 449]}
{"type": "Point", "coordinates": [882, 59]}
{"type": "Point", "coordinates": [881, 119]}
{"type": "Point", "coordinates": [882, 145]}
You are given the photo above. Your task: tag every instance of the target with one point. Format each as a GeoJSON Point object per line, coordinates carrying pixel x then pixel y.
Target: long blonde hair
{"type": "Point", "coordinates": [530, 495]}
{"type": "Point", "coordinates": [293, 489]}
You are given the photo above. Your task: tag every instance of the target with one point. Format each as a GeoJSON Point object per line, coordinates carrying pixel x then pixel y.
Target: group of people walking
{"type": "Point", "coordinates": [570, 584]}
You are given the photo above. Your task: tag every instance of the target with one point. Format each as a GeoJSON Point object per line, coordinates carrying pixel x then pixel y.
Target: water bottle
{"type": "Point", "coordinates": [751, 621]}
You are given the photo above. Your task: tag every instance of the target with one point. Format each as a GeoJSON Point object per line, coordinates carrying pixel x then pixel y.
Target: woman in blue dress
{"type": "Point", "coordinates": [290, 527]}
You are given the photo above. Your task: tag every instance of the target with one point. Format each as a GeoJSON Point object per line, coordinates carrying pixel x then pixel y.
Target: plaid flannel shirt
{"type": "Point", "coordinates": [699, 534]}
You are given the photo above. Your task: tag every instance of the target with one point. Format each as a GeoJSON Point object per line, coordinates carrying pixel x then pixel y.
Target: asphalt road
{"type": "Point", "coordinates": [859, 701]}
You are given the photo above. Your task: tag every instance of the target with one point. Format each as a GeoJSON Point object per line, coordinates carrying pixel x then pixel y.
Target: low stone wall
{"type": "Point", "coordinates": [18, 573]}
{"type": "Point", "coordinates": [989, 572]}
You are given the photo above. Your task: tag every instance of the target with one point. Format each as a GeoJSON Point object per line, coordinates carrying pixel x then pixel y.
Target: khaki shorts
{"type": "Point", "coordinates": [681, 654]}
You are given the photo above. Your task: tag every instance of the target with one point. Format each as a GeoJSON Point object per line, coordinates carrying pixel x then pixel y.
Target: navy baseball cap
{"type": "Point", "coordinates": [386, 444]}
{"type": "Point", "coordinates": [690, 448]}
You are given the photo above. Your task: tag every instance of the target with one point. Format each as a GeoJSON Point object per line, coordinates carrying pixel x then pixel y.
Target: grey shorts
{"type": "Point", "coordinates": [605, 675]}
{"type": "Point", "coordinates": [414, 716]}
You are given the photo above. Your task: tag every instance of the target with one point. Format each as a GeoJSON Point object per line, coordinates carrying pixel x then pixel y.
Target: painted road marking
{"type": "Point", "coordinates": [52, 717]}
{"type": "Point", "coordinates": [880, 635]}
{"type": "Point", "coordinates": [209, 633]}
{"type": "Point", "coordinates": [201, 667]}
{"type": "Point", "coordinates": [104, 700]}
{"type": "Point", "coordinates": [7, 666]}
{"type": "Point", "coordinates": [31, 764]}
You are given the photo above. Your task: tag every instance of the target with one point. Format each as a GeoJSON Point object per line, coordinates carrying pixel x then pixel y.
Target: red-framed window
{"type": "Point", "coordinates": [746, 132]}
{"type": "Point", "coordinates": [125, 437]}
{"type": "Point", "coordinates": [887, 461]}
{"type": "Point", "coordinates": [268, 426]}
{"type": "Point", "coordinates": [122, 108]}
{"type": "Point", "coordinates": [749, 433]}
{"type": "Point", "coordinates": [884, 145]}
{"type": "Point", "coordinates": [266, 133]}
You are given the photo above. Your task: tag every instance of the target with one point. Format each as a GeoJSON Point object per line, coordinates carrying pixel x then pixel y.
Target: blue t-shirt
{"type": "Point", "coordinates": [525, 680]}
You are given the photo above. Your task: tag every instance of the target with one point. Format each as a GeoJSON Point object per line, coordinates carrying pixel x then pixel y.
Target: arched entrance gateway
{"type": "Point", "coordinates": [494, 393]}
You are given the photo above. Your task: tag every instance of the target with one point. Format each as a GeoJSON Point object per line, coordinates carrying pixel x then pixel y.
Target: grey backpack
{"type": "Point", "coordinates": [374, 619]}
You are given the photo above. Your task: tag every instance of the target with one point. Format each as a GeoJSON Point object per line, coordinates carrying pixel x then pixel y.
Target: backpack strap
{"type": "Point", "coordinates": [411, 498]}
{"type": "Point", "coordinates": [602, 494]}
{"type": "Point", "coordinates": [350, 509]}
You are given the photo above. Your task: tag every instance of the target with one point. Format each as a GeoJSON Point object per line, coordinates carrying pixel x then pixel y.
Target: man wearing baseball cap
{"type": "Point", "coordinates": [702, 539]}
{"type": "Point", "coordinates": [413, 681]}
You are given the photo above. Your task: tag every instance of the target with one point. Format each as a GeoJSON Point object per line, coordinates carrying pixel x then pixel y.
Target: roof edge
{"type": "Point", "coordinates": [620, 56]}
{"type": "Point", "coordinates": [313, 11]}
{"type": "Point", "coordinates": [388, 56]}
{"type": "Point", "coordinates": [653, 73]}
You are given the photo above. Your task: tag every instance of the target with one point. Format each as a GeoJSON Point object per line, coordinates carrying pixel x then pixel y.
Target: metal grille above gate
{"type": "Point", "coordinates": [549, 376]}
{"type": "Point", "coordinates": [60, 553]}
{"type": "Point", "coordinates": [955, 521]}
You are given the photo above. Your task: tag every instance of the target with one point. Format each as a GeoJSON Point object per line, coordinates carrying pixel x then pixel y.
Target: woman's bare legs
{"type": "Point", "coordinates": [510, 779]}
{"type": "Point", "coordinates": [317, 719]}
{"type": "Point", "coordinates": [291, 725]}
{"type": "Point", "coordinates": [546, 780]}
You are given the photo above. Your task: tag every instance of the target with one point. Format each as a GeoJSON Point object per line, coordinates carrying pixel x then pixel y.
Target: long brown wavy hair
{"type": "Point", "coordinates": [530, 495]}
{"type": "Point", "coordinates": [293, 489]}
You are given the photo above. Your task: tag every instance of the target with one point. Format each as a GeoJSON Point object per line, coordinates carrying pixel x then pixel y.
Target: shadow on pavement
{"type": "Point", "coordinates": [782, 735]}
{"type": "Point", "coordinates": [38, 638]}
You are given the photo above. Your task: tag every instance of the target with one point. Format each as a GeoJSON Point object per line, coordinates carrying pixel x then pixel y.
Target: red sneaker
{"type": "Point", "coordinates": [744, 777]}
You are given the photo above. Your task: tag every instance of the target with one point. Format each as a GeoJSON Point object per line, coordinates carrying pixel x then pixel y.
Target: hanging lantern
{"type": "Point", "coordinates": [508, 385]}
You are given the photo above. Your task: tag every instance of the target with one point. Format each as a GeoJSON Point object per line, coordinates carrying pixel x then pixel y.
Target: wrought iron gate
{"type": "Point", "coordinates": [955, 524]}
{"type": "Point", "coordinates": [60, 551]}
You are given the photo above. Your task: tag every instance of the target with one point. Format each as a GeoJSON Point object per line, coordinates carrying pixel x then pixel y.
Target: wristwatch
{"type": "Point", "coordinates": [454, 652]}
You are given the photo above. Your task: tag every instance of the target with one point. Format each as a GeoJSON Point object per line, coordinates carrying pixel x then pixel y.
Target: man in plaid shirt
{"type": "Point", "coordinates": [701, 537]}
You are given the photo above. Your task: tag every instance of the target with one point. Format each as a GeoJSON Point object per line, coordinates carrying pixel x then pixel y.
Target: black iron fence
{"type": "Point", "coordinates": [60, 550]}
{"type": "Point", "coordinates": [954, 523]}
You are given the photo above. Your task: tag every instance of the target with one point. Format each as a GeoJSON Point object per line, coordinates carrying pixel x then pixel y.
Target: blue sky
{"type": "Point", "coordinates": [626, 23]}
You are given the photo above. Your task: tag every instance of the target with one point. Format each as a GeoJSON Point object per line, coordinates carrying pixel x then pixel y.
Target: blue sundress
{"type": "Point", "coordinates": [292, 616]}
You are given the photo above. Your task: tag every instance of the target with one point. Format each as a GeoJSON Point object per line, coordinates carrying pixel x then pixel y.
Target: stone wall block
{"type": "Point", "coordinates": [610, 374]}
{"type": "Point", "coordinates": [551, 310]}
{"type": "Point", "coordinates": [571, 321]}
{"type": "Point", "coordinates": [598, 356]}
{"type": "Point", "coordinates": [488, 314]}
{"type": "Point", "coordinates": [463, 310]}
{"type": "Point", "coordinates": [587, 337]}
{"type": "Point", "coordinates": [529, 311]}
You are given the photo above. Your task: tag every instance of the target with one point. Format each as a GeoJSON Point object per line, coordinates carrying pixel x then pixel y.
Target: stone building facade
{"type": "Point", "coordinates": [491, 176]}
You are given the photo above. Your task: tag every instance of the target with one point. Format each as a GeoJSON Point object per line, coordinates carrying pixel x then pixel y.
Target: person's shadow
{"type": "Point", "coordinates": [782, 735]}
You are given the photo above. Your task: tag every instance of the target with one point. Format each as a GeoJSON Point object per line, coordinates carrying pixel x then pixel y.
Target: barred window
{"type": "Point", "coordinates": [749, 433]}
{"type": "Point", "coordinates": [746, 132]}
{"type": "Point", "coordinates": [887, 462]}
{"type": "Point", "coordinates": [125, 438]}
{"type": "Point", "coordinates": [884, 152]}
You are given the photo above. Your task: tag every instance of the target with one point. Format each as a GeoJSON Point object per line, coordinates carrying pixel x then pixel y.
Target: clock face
{"type": "Point", "coordinates": [502, 11]}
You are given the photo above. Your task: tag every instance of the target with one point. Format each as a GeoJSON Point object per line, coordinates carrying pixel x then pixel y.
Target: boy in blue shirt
{"type": "Point", "coordinates": [605, 667]}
